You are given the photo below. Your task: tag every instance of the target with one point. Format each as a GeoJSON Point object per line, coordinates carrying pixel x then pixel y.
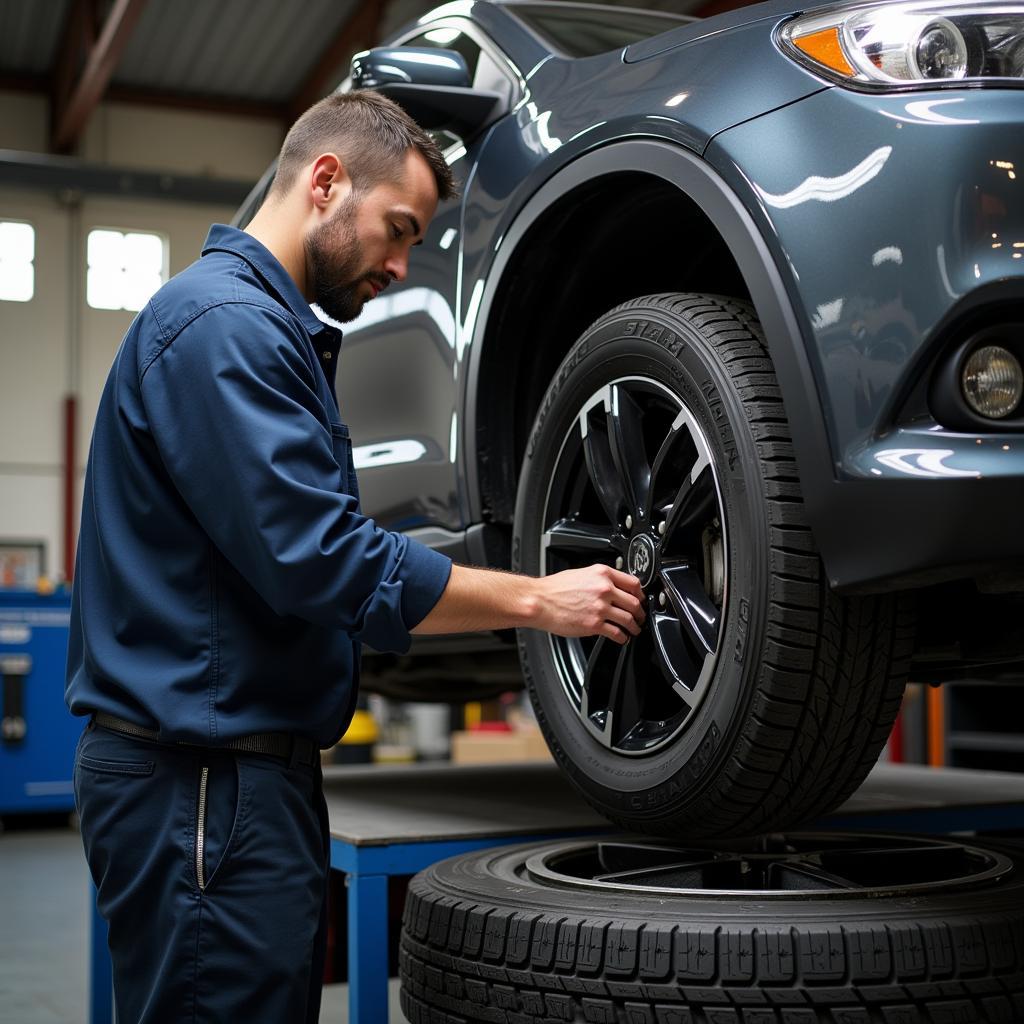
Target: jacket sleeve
{"type": "Point", "coordinates": [235, 417]}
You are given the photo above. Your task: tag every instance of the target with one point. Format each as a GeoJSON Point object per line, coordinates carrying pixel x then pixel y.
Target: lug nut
{"type": "Point", "coordinates": [661, 528]}
{"type": "Point", "coordinates": [618, 562]}
{"type": "Point", "coordinates": [662, 599]}
{"type": "Point", "coordinates": [629, 522]}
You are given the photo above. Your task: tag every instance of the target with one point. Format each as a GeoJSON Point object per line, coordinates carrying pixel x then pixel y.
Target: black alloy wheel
{"type": "Point", "coordinates": [661, 521]}
{"type": "Point", "coordinates": [786, 929]}
{"type": "Point", "coordinates": [754, 698]}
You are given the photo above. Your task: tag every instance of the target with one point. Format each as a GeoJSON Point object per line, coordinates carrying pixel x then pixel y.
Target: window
{"type": "Point", "coordinates": [125, 268]}
{"type": "Point", "coordinates": [17, 251]}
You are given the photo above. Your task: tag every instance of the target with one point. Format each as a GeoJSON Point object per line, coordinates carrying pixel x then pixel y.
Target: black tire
{"type": "Point", "coordinates": [806, 685]}
{"type": "Point", "coordinates": [484, 940]}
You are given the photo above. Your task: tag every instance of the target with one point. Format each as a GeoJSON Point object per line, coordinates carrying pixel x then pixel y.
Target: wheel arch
{"type": "Point", "coordinates": [505, 381]}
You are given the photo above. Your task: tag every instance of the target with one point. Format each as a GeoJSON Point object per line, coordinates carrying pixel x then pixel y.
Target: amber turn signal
{"type": "Point", "coordinates": [825, 48]}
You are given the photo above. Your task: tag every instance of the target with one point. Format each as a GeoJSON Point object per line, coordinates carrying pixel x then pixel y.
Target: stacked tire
{"type": "Point", "coordinates": [484, 940]}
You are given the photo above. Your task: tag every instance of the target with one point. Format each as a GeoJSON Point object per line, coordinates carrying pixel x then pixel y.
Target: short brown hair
{"type": "Point", "coordinates": [371, 134]}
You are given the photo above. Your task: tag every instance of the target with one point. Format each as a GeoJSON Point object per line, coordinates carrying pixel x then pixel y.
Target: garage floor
{"type": "Point", "coordinates": [44, 933]}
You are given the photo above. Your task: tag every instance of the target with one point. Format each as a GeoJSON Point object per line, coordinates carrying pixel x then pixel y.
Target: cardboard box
{"type": "Point", "coordinates": [485, 747]}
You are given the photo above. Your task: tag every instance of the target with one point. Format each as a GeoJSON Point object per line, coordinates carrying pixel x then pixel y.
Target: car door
{"type": "Point", "coordinates": [396, 381]}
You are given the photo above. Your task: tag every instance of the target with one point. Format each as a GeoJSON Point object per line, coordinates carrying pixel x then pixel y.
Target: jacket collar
{"type": "Point", "coordinates": [228, 239]}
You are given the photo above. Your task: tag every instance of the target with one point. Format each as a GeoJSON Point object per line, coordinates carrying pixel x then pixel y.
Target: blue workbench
{"type": "Point", "coordinates": [391, 821]}
{"type": "Point", "coordinates": [38, 734]}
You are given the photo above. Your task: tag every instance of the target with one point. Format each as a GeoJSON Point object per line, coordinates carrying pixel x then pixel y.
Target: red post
{"type": "Point", "coordinates": [70, 535]}
{"type": "Point", "coordinates": [896, 739]}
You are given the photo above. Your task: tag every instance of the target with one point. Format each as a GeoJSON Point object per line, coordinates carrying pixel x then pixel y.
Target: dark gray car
{"type": "Point", "coordinates": [735, 305]}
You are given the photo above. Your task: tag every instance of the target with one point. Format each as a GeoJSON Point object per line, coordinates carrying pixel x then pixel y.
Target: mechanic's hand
{"type": "Point", "coordinates": [596, 600]}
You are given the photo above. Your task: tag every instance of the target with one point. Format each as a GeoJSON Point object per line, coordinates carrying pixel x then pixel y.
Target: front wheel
{"type": "Point", "coordinates": [754, 697]}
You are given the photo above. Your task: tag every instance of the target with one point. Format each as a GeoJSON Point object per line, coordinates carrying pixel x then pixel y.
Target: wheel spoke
{"type": "Point", "coordinates": [684, 874]}
{"type": "Point", "coordinates": [788, 875]}
{"type": "Point", "coordinates": [601, 467]}
{"type": "Point", "coordinates": [615, 858]}
{"type": "Point", "coordinates": [668, 461]}
{"type": "Point", "coordinates": [571, 535]}
{"type": "Point", "coordinates": [694, 501]}
{"type": "Point", "coordinates": [625, 429]}
{"type": "Point", "coordinates": [868, 868]}
{"type": "Point", "coordinates": [684, 673]}
{"type": "Point", "coordinates": [626, 700]}
{"type": "Point", "coordinates": [598, 684]}
{"type": "Point", "coordinates": [698, 615]}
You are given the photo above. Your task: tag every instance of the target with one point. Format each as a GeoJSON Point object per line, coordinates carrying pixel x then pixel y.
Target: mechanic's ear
{"type": "Point", "coordinates": [330, 181]}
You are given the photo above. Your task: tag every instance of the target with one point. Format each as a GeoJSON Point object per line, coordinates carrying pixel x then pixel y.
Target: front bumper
{"type": "Point", "coordinates": [893, 222]}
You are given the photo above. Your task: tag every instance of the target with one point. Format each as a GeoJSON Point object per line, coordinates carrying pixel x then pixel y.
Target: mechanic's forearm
{"type": "Point", "coordinates": [480, 599]}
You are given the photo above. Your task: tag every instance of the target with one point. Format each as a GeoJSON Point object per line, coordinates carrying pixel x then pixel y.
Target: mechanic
{"type": "Point", "coordinates": [226, 579]}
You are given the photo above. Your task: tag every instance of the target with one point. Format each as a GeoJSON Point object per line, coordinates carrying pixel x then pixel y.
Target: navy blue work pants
{"type": "Point", "coordinates": [215, 891]}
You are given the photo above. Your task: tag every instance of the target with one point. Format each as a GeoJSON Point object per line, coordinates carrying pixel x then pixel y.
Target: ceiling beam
{"type": "Point", "coordinates": [235, 106]}
{"type": "Point", "coordinates": [60, 174]}
{"type": "Point", "coordinates": [67, 61]}
{"type": "Point", "coordinates": [19, 81]}
{"type": "Point", "coordinates": [360, 31]}
{"type": "Point", "coordinates": [102, 57]}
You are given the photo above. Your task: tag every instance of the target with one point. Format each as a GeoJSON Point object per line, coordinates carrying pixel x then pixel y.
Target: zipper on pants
{"type": "Point", "coordinates": [201, 829]}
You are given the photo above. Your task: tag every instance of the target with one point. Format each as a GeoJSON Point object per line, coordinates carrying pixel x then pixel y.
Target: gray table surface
{"type": "Point", "coordinates": [376, 805]}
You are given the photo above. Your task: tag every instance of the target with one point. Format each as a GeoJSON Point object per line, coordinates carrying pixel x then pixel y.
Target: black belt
{"type": "Point", "coordinates": [294, 749]}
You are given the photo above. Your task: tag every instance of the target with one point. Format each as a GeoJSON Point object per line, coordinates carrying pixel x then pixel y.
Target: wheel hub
{"type": "Point", "coordinates": [642, 559]}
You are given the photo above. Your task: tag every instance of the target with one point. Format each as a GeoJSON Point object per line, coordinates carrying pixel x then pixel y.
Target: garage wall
{"type": "Point", "coordinates": [33, 379]}
{"type": "Point", "coordinates": [216, 145]}
{"type": "Point", "coordinates": [23, 122]}
{"type": "Point", "coordinates": [56, 345]}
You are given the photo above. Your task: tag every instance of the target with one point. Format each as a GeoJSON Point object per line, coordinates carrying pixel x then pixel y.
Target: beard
{"type": "Point", "coordinates": [334, 264]}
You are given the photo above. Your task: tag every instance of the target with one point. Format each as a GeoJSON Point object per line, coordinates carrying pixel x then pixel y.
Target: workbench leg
{"type": "Point", "coordinates": [101, 978]}
{"type": "Point", "coordinates": [367, 949]}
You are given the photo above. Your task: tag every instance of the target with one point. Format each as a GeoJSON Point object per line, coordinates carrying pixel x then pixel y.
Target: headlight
{"type": "Point", "coordinates": [887, 46]}
{"type": "Point", "coordinates": [993, 382]}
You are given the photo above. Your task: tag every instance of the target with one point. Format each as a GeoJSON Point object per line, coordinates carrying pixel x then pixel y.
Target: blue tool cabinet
{"type": "Point", "coordinates": [37, 732]}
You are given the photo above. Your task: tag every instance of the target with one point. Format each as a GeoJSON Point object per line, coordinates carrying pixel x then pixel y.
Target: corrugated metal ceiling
{"type": "Point", "coordinates": [260, 50]}
{"type": "Point", "coordinates": [29, 33]}
{"type": "Point", "coordinates": [250, 49]}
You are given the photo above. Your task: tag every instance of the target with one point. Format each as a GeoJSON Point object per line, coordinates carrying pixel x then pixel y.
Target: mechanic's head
{"type": "Point", "coordinates": [364, 180]}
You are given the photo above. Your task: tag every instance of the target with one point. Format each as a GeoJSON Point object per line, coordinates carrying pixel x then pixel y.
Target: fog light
{"type": "Point", "coordinates": [993, 382]}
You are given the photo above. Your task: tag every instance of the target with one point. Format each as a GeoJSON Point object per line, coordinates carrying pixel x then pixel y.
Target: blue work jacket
{"type": "Point", "coordinates": [225, 575]}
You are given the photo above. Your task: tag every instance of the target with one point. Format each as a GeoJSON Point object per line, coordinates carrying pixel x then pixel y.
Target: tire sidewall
{"type": "Point", "coordinates": [641, 340]}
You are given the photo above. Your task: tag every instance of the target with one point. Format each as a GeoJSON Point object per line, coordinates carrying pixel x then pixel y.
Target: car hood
{"type": "Point", "coordinates": [773, 11]}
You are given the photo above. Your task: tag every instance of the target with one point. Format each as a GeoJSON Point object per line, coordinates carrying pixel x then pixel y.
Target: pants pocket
{"type": "Point", "coordinates": [219, 808]}
{"type": "Point", "coordinates": [97, 764]}
{"type": "Point", "coordinates": [114, 782]}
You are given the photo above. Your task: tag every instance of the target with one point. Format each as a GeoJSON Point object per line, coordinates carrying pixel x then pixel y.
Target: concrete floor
{"type": "Point", "coordinates": [44, 933]}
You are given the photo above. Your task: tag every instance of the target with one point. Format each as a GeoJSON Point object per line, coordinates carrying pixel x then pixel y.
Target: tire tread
{"type": "Point", "coordinates": [537, 968]}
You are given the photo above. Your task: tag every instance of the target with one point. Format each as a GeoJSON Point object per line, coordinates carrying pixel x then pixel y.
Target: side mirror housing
{"type": "Point", "coordinates": [409, 65]}
{"type": "Point", "coordinates": [432, 85]}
